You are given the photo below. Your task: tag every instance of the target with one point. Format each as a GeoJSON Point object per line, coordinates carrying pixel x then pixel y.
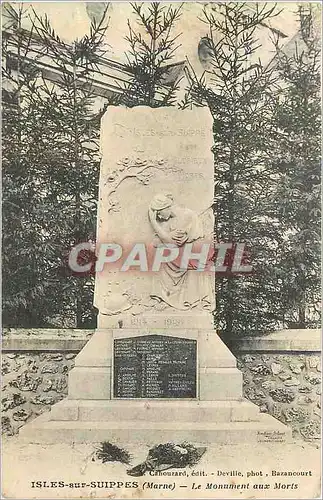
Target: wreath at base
{"type": "Point", "coordinates": [167, 456]}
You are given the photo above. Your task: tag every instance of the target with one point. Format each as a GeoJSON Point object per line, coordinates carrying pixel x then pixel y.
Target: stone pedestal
{"type": "Point", "coordinates": [218, 379]}
{"type": "Point", "coordinates": [130, 382]}
{"type": "Point", "coordinates": [219, 414]}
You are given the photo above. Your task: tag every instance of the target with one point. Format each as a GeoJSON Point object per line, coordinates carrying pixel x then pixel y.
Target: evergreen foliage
{"type": "Point", "coordinates": [251, 103]}
{"type": "Point", "coordinates": [50, 173]}
{"type": "Point", "coordinates": [266, 151]}
{"type": "Point", "coordinates": [151, 50]}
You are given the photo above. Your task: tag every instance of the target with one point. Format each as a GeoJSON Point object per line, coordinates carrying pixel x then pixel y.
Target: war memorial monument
{"type": "Point", "coordinates": [155, 369]}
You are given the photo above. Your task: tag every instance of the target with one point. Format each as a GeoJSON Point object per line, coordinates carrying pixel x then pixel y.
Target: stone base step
{"type": "Point", "coordinates": [155, 411]}
{"type": "Point", "coordinates": [42, 430]}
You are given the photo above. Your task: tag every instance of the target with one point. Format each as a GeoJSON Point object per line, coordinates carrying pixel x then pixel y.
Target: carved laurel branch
{"type": "Point", "coordinates": [130, 168]}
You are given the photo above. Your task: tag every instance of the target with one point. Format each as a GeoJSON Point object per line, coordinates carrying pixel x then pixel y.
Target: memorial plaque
{"type": "Point", "coordinates": [154, 366]}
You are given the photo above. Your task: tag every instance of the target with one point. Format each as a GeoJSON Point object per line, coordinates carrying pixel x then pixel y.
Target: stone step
{"type": "Point", "coordinates": [155, 411]}
{"type": "Point", "coordinates": [42, 430]}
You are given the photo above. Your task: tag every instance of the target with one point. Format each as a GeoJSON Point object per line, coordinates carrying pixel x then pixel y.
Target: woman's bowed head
{"type": "Point", "coordinates": [162, 208]}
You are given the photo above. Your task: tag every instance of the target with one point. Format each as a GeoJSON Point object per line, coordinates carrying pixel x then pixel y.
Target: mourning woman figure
{"type": "Point", "coordinates": [178, 288]}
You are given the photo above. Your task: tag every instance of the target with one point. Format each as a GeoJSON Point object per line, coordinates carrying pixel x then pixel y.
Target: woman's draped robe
{"type": "Point", "coordinates": [188, 288]}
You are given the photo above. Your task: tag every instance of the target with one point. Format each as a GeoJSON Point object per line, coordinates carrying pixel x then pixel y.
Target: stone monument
{"type": "Point", "coordinates": [155, 369]}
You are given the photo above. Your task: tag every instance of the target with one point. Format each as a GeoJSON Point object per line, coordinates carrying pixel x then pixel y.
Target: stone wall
{"type": "Point", "coordinates": [282, 375]}
{"type": "Point", "coordinates": [31, 384]}
{"type": "Point", "coordinates": [35, 366]}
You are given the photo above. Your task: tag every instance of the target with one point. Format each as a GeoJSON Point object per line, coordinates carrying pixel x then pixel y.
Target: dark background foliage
{"type": "Point", "coordinates": [266, 149]}
{"type": "Point", "coordinates": [267, 167]}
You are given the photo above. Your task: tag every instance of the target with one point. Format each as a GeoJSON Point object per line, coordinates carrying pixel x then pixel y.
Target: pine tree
{"type": "Point", "coordinates": [51, 152]}
{"type": "Point", "coordinates": [51, 168]}
{"type": "Point", "coordinates": [297, 163]}
{"type": "Point", "coordinates": [239, 91]}
{"type": "Point", "coordinates": [153, 80]}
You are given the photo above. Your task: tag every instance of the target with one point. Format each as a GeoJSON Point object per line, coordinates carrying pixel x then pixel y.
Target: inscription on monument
{"type": "Point", "coordinates": [154, 366]}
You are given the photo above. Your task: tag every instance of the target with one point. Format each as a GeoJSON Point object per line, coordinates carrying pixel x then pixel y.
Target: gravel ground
{"type": "Point", "coordinates": [24, 463]}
